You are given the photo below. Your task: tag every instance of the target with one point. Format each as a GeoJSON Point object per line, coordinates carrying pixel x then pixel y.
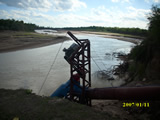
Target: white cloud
{"type": "Point", "coordinates": [152, 1]}
{"type": "Point", "coordinates": [120, 1]}
{"type": "Point", "coordinates": [132, 17]}
{"type": "Point", "coordinates": [45, 5]}
{"type": "Point", "coordinates": [70, 5]}
{"type": "Point", "coordinates": [137, 13]}
{"type": "Point", "coordinates": [115, 0]}
{"type": "Point", "coordinates": [100, 16]}
{"type": "Point", "coordinates": [147, 1]}
{"type": "Point", "coordinates": [61, 20]}
{"type": "Point", "coordinates": [156, 1]}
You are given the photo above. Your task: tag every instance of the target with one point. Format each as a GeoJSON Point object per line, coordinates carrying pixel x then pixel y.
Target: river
{"type": "Point", "coordinates": [28, 68]}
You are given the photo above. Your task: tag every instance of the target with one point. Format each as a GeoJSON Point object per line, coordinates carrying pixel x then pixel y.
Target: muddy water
{"type": "Point", "coordinates": [28, 68]}
{"type": "Point", "coordinates": [102, 58]}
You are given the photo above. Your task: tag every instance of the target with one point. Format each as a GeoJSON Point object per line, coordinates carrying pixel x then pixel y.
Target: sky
{"type": "Point", "coordinates": [78, 13]}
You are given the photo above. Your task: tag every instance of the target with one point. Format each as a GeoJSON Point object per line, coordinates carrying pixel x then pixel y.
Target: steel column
{"type": "Point", "coordinates": [125, 93]}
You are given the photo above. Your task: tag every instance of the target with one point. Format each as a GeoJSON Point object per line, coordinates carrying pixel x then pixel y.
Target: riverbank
{"type": "Point", "coordinates": [14, 40]}
{"type": "Point", "coordinates": [23, 105]}
{"type": "Point", "coordinates": [30, 106]}
{"type": "Point", "coordinates": [123, 37]}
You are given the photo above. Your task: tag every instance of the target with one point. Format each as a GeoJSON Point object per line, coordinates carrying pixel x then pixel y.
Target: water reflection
{"type": "Point", "coordinates": [28, 68]}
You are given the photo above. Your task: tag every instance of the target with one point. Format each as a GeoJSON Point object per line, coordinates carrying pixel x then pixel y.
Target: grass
{"type": "Point", "coordinates": [18, 104]}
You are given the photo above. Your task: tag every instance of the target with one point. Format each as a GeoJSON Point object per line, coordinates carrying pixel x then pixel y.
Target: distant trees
{"type": "Point", "coordinates": [11, 24]}
{"type": "Point", "coordinates": [131, 31]}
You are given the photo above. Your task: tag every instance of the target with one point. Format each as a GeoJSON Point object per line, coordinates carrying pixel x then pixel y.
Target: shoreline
{"type": "Point", "coordinates": [115, 107]}
{"type": "Point", "coordinates": [14, 40]}
{"type": "Point", "coordinates": [32, 46]}
{"type": "Point", "coordinates": [132, 39]}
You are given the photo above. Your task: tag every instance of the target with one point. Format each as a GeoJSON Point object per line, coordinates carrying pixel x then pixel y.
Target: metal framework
{"type": "Point", "coordinates": [80, 63]}
{"type": "Point", "coordinates": [78, 56]}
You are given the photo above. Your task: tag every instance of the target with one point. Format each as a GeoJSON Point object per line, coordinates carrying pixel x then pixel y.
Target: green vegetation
{"type": "Point", "coordinates": [146, 55]}
{"type": "Point", "coordinates": [28, 91]}
{"type": "Point", "coordinates": [16, 25]}
{"type": "Point", "coordinates": [18, 104]}
{"type": "Point", "coordinates": [11, 24]}
{"type": "Point", "coordinates": [131, 31]}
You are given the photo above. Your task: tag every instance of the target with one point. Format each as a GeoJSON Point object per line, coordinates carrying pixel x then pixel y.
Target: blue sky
{"type": "Point", "coordinates": [76, 13]}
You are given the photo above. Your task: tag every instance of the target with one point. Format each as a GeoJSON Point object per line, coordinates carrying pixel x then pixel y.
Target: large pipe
{"type": "Point", "coordinates": [125, 93]}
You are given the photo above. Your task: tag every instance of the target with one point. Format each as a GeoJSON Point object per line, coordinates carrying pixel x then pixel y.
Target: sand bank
{"type": "Point", "coordinates": [13, 40]}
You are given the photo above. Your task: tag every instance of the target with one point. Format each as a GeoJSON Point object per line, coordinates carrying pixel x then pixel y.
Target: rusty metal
{"type": "Point", "coordinates": [125, 93]}
{"type": "Point", "coordinates": [80, 63]}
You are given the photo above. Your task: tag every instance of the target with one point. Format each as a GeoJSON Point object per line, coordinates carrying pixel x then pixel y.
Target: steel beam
{"type": "Point", "coordinates": [125, 93]}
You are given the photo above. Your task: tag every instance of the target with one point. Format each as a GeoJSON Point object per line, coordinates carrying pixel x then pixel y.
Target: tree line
{"type": "Point", "coordinates": [11, 24]}
{"type": "Point", "coordinates": [146, 55]}
{"type": "Point", "coordinates": [131, 31]}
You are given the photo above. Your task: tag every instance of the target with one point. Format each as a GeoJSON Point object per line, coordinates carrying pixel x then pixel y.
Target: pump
{"type": "Point", "coordinates": [78, 88]}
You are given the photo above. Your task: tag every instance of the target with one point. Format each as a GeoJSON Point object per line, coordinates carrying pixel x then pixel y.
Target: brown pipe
{"type": "Point", "coordinates": [125, 93]}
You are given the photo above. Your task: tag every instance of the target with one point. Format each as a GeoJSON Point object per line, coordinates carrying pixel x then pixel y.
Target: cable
{"type": "Point", "coordinates": [99, 59]}
{"type": "Point", "coordinates": [96, 64]}
{"type": "Point", "coordinates": [50, 69]}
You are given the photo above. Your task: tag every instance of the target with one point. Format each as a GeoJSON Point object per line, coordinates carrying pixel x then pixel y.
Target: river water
{"type": "Point", "coordinates": [28, 69]}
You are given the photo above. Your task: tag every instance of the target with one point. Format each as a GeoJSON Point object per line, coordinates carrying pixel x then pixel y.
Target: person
{"type": "Point", "coordinates": [64, 88]}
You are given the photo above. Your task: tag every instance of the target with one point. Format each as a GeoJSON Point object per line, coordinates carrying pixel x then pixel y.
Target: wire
{"type": "Point", "coordinates": [99, 59]}
{"type": "Point", "coordinates": [96, 64]}
{"type": "Point", "coordinates": [50, 69]}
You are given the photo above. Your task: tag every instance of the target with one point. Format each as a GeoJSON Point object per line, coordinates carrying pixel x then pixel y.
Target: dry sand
{"type": "Point", "coordinates": [128, 38]}
{"type": "Point", "coordinates": [13, 40]}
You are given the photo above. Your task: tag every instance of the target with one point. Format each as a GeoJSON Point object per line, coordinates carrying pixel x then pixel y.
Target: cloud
{"type": "Point", "coordinates": [132, 17]}
{"type": "Point", "coordinates": [152, 1]}
{"type": "Point", "coordinates": [156, 1]}
{"type": "Point", "coordinates": [70, 5]}
{"type": "Point", "coordinates": [137, 13]}
{"type": "Point", "coordinates": [120, 1]}
{"type": "Point", "coordinates": [147, 1]}
{"type": "Point", "coordinates": [42, 19]}
{"type": "Point", "coordinates": [100, 16]}
{"type": "Point", "coordinates": [26, 3]}
{"type": "Point", "coordinates": [115, 0]}
{"type": "Point", "coordinates": [45, 5]}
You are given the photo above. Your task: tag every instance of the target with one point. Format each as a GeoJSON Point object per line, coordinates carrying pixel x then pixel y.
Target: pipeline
{"type": "Point", "coordinates": [114, 93]}
{"type": "Point", "coordinates": [125, 93]}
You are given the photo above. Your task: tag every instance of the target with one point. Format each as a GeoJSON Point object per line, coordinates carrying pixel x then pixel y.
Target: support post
{"type": "Point", "coordinates": [80, 63]}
